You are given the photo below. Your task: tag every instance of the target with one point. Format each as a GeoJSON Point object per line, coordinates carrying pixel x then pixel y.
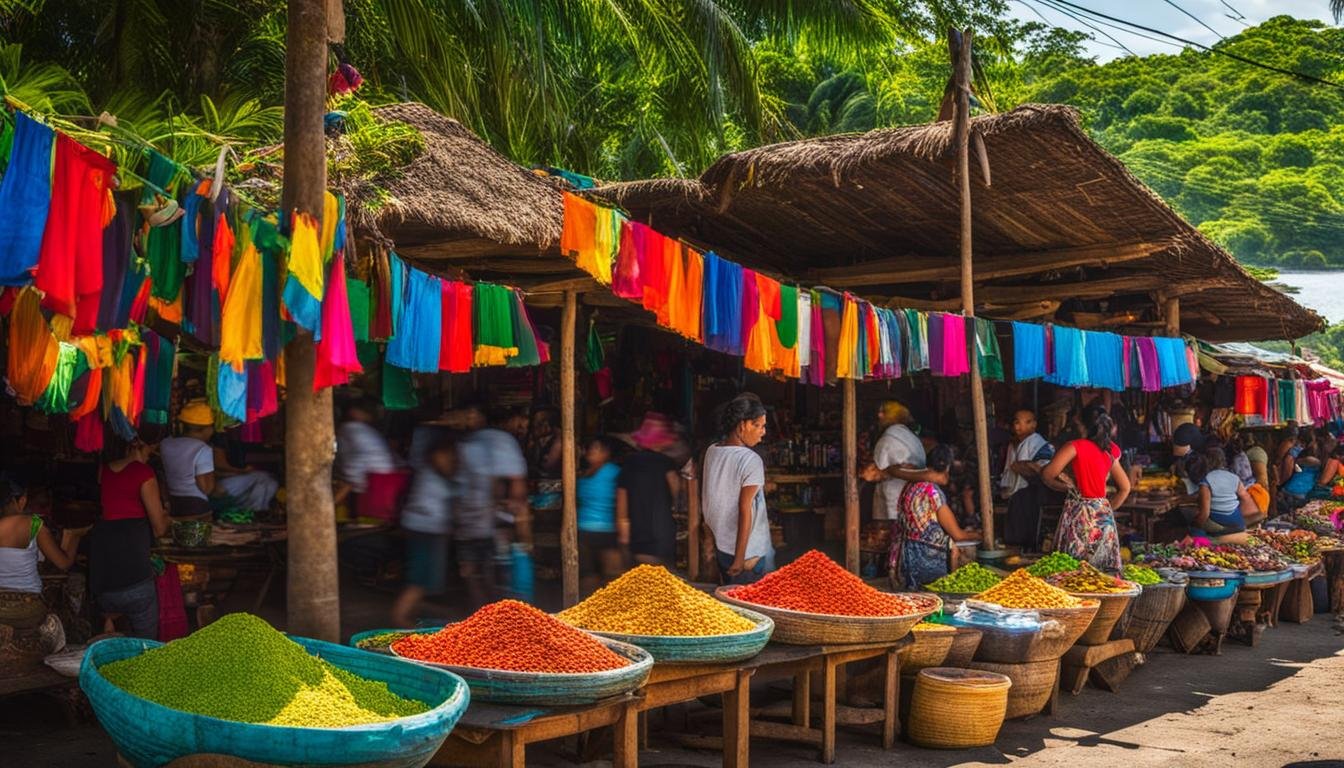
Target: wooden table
{"type": "Point", "coordinates": [498, 734]}
{"type": "Point", "coordinates": [670, 684]}
{"type": "Point", "coordinates": [1145, 509]}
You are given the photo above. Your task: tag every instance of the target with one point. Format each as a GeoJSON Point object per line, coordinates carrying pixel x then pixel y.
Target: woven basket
{"type": "Point", "coordinates": [1032, 684]}
{"type": "Point", "coordinates": [963, 647]}
{"type": "Point", "coordinates": [1112, 607]}
{"type": "Point", "coordinates": [799, 628]}
{"type": "Point", "coordinates": [1151, 613]}
{"type": "Point", "coordinates": [704, 649]}
{"type": "Point", "coordinates": [957, 708]}
{"type": "Point", "coordinates": [1063, 627]}
{"type": "Point", "coordinates": [551, 688]}
{"type": "Point", "coordinates": [929, 649]}
{"type": "Point", "coordinates": [147, 734]}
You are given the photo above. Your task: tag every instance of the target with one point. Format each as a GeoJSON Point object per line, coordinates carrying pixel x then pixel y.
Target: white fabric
{"type": "Point", "coordinates": [729, 469]}
{"type": "Point", "coordinates": [898, 446]}
{"type": "Point", "coordinates": [251, 490]}
{"type": "Point", "coordinates": [361, 449]}
{"type": "Point", "coordinates": [1011, 482]}
{"type": "Point", "coordinates": [184, 459]}
{"type": "Point", "coordinates": [804, 328]}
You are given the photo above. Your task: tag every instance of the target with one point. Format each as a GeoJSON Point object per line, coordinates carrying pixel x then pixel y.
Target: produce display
{"type": "Point", "coordinates": [1224, 557]}
{"type": "Point", "coordinates": [512, 636]}
{"type": "Point", "coordinates": [1321, 516]}
{"type": "Point", "coordinates": [1299, 546]}
{"type": "Point", "coordinates": [814, 583]}
{"type": "Point", "coordinates": [968, 579]}
{"type": "Point", "coordinates": [650, 600]}
{"type": "Point", "coordinates": [1087, 579]}
{"type": "Point", "coordinates": [1141, 575]}
{"type": "Point", "coordinates": [1023, 590]}
{"type": "Point", "coordinates": [1262, 557]}
{"type": "Point", "coordinates": [240, 668]}
{"type": "Point", "coordinates": [1055, 562]}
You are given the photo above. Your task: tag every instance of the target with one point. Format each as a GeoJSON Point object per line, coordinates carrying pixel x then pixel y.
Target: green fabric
{"type": "Point", "coordinates": [163, 245]}
{"type": "Point", "coordinates": [987, 352]}
{"type": "Point", "coordinates": [523, 337]}
{"type": "Point", "coordinates": [159, 384]}
{"type": "Point", "coordinates": [787, 324]}
{"type": "Point", "coordinates": [493, 308]}
{"type": "Point", "coordinates": [358, 293]}
{"type": "Point", "coordinates": [398, 388]}
{"type": "Point", "coordinates": [368, 352]}
{"type": "Point", "coordinates": [56, 397]}
{"type": "Point", "coordinates": [594, 357]}
{"type": "Point", "coordinates": [1287, 400]}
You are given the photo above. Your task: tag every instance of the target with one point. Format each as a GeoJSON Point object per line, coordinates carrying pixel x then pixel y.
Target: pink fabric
{"type": "Point", "coordinates": [816, 369]}
{"type": "Point", "coordinates": [625, 281]}
{"type": "Point", "coordinates": [336, 356]}
{"type": "Point", "coordinates": [89, 432]}
{"type": "Point", "coordinates": [172, 608]}
{"type": "Point", "coordinates": [1126, 344]}
{"type": "Point", "coordinates": [1149, 372]}
{"type": "Point", "coordinates": [955, 358]}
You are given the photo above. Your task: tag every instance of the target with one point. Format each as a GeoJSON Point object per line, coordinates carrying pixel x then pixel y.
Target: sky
{"type": "Point", "coordinates": [1159, 14]}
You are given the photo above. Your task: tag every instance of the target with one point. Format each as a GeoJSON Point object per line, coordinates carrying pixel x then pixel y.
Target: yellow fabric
{"type": "Point", "coordinates": [61, 326]}
{"type": "Point", "coordinates": [487, 356]}
{"type": "Point", "coordinates": [118, 385]}
{"type": "Point", "coordinates": [168, 311]}
{"type": "Point", "coordinates": [894, 412]}
{"type": "Point", "coordinates": [33, 350]}
{"type": "Point", "coordinates": [597, 260]}
{"type": "Point", "coordinates": [848, 345]}
{"type": "Point", "coordinates": [97, 350]}
{"type": "Point", "coordinates": [305, 256]}
{"type": "Point", "coordinates": [759, 355]}
{"type": "Point", "coordinates": [240, 326]}
{"type": "Point", "coordinates": [331, 211]}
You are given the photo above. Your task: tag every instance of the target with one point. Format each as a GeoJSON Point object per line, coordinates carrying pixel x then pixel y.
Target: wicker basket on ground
{"type": "Point", "coordinates": [1111, 607]}
{"type": "Point", "coordinates": [958, 708]}
{"type": "Point", "coordinates": [1151, 614]}
{"type": "Point", "coordinates": [1061, 629]}
{"type": "Point", "coordinates": [1033, 684]}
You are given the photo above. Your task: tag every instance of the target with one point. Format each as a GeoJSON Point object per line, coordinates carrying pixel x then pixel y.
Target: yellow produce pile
{"type": "Point", "coordinates": [650, 600]}
{"type": "Point", "coordinates": [1022, 590]}
{"type": "Point", "coordinates": [929, 626]}
{"type": "Point", "coordinates": [1088, 579]}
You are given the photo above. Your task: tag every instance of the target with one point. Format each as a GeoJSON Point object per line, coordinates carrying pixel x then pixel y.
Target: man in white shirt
{"type": "Point", "coordinates": [898, 458]}
{"type": "Point", "coordinates": [361, 450]}
{"type": "Point", "coordinates": [189, 462]}
{"type": "Point", "coordinates": [1020, 483]}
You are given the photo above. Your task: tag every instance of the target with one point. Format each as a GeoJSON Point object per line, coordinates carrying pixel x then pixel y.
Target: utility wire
{"type": "Point", "coordinates": [1239, 15]}
{"type": "Point", "coordinates": [1198, 20]}
{"type": "Point", "coordinates": [1113, 44]}
{"type": "Point", "coordinates": [1053, 4]}
{"type": "Point", "coordinates": [1087, 24]}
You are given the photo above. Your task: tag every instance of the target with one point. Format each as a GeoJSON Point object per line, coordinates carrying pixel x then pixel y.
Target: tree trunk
{"type": "Point", "coordinates": [569, 465]}
{"type": "Point", "coordinates": [313, 590]}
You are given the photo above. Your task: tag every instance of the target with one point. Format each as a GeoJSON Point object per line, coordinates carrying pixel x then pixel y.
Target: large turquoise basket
{"type": "Point", "coordinates": [149, 735]}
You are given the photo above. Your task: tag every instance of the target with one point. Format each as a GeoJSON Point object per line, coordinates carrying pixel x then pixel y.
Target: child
{"type": "Point", "coordinates": [600, 551]}
{"type": "Point", "coordinates": [427, 520]}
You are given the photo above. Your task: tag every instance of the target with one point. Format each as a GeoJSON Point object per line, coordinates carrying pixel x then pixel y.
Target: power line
{"type": "Point", "coordinates": [1198, 20]}
{"type": "Point", "coordinates": [1221, 52]}
{"type": "Point", "coordinates": [1239, 15]}
{"type": "Point", "coordinates": [1113, 44]}
{"type": "Point", "coordinates": [1131, 32]}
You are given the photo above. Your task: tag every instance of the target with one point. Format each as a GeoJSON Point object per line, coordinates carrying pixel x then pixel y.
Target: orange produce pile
{"type": "Point", "coordinates": [512, 636]}
{"type": "Point", "coordinates": [814, 583]}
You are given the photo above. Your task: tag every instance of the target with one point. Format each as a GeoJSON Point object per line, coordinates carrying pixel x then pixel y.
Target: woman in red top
{"type": "Point", "coordinates": [1087, 526]}
{"type": "Point", "coordinates": [121, 578]}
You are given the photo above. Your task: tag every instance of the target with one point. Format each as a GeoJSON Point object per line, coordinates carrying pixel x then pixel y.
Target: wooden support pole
{"type": "Point", "coordinates": [313, 597]}
{"type": "Point", "coordinates": [849, 443]}
{"type": "Point", "coordinates": [569, 464]}
{"type": "Point", "coordinates": [1171, 315]}
{"type": "Point", "coordinates": [962, 79]}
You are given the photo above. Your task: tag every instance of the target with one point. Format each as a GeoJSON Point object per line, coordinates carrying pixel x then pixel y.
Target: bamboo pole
{"type": "Point", "coordinates": [312, 584]}
{"type": "Point", "coordinates": [962, 79]}
{"type": "Point", "coordinates": [569, 470]}
{"type": "Point", "coordinates": [1171, 315]}
{"type": "Point", "coordinates": [693, 523]}
{"type": "Point", "coordinates": [849, 442]}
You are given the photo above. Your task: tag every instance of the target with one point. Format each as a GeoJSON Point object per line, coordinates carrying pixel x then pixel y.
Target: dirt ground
{"type": "Point", "coordinates": [1279, 704]}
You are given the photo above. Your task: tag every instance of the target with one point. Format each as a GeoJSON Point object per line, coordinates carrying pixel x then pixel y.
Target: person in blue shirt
{"type": "Point", "coordinates": [600, 557]}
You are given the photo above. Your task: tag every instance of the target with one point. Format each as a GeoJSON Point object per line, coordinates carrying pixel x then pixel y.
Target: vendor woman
{"type": "Point", "coordinates": [1087, 526]}
{"type": "Point", "coordinates": [22, 537]}
{"type": "Point", "coordinates": [923, 532]}
{"type": "Point", "coordinates": [1223, 500]}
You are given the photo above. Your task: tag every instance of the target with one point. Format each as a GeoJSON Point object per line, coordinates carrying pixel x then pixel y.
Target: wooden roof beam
{"type": "Point", "coordinates": [1105, 288]}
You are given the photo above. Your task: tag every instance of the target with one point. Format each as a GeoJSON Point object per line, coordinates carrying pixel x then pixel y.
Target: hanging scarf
{"type": "Point", "coordinates": [160, 364]}
{"type": "Point", "coordinates": [33, 350]}
{"type": "Point", "coordinates": [455, 350]}
{"type": "Point", "coordinates": [337, 359]}
{"type": "Point", "coordinates": [241, 320]}
{"type": "Point", "coordinates": [1070, 355]}
{"type": "Point", "coordinates": [803, 318]}
{"type": "Point", "coordinates": [380, 316]}
{"type": "Point", "coordinates": [262, 399]}
{"type": "Point", "coordinates": [1149, 368]}
{"type": "Point", "coordinates": [117, 261]}
{"type": "Point", "coordinates": [304, 286]}
{"type": "Point", "coordinates": [987, 354]}
{"type": "Point", "coordinates": [955, 350]}
{"type": "Point", "coordinates": [523, 334]}
{"type": "Point", "coordinates": [56, 397]}
{"type": "Point", "coordinates": [398, 388]}
{"type": "Point", "coordinates": [847, 361]}
{"type": "Point", "coordinates": [25, 198]}
{"type": "Point", "coordinates": [70, 264]}
{"type": "Point", "coordinates": [626, 282]}
{"type": "Point", "coordinates": [415, 345]}
{"type": "Point", "coordinates": [357, 292]}
{"type": "Point", "coordinates": [1172, 362]}
{"type": "Point", "coordinates": [1104, 352]}
{"type": "Point", "coordinates": [722, 299]}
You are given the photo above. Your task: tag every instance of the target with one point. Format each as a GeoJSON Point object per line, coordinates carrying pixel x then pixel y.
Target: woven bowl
{"type": "Point", "coordinates": [957, 708]}
{"type": "Point", "coordinates": [703, 649]}
{"type": "Point", "coordinates": [1013, 646]}
{"type": "Point", "coordinates": [929, 649]}
{"type": "Point", "coordinates": [802, 628]}
{"type": "Point", "coordinates": [554, 688]}
{"type": "Point", "coordinates": [1112, 606]}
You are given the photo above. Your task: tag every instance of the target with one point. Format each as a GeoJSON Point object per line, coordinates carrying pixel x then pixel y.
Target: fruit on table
{"type": "Point", "coordinates": [814, 583]}
{"type": "Point", "coordinates": [650, 600]}
{"type": "Point", "coordinates": [1055, 562]}
{"type": "Point", "coordinates": [1022, 590]}
{"type": "Point", "coordinates": [1142, 575]}
{"type": "Point", "coordinates": [968, 579]}
{"type": "Point", "coordinates": [1087, 579]}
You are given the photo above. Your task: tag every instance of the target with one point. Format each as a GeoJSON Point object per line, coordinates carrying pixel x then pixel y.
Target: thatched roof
{"type": "Point", "coordinates": [1062, 222]}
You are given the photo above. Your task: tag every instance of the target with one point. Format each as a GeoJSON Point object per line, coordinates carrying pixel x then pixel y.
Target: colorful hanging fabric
{"type": "Point", "coordinates": [818, 362]}
{"type": "Point", "coordinates": [89, 433]}
{"type": "Point", "coordinates": [523, 335]}
{"type": "Point", "coordinates": [917, 347]}
{"type": "Point", "coordinates": [625, 280]}
{"type": "Point", "coordinates": [357, 291]}
{"type": "Point", "coordinates": [654, 268]}
{"type": "Point", "coordinates": [33, 350]}
{"type": "Point", "coordinates": [493, 309]}
{"type": "Point", "coordinates": [117, 261]}
{"type": "Point", "coordinates": [160, 364]}
{"type": "Point", "coordinates": [304, 286]}
{"type": "Point", "coordinates": [803, 338]}
{"type": "Point", "coordinates": [333, 222]}
{"type": "Point", "coordinates": [1150, 372]}
{"type": "Point", "coordinates": [455, 348]}
{"type": "Point", "coordinates": [163, 244]}
{"type": "Point", "coordinates": [869, 340]}
{"type": "Point", "coordinates": [415, 345]}
{"type": "Point", "coordinates": [722, 300]}
{"type": "Point", "coordinates": [847, 361]}
{"type": "Point", "coordinates": [784, 336]}
{"type": "Point", "coordinates": [594, 356]}
{"type": "Point", "coordinates": [232, 388]}
{"type": "Point", "coordinates": [760, 346]}
{"type": "Point", "coordinates": [1251, 394]}
{"type": "Point", "coordinates": [222, 248]}
{"type": "Point", "coordinates": [1028, 351]}
{"type": "Point", "coordinates": [1287, 398]}
{"type": "Point", "coordinates": [955, 351]}
{"type": "Point", "coordinates": [936, 345]}
{"type": "Point", "coordinates": [590, 235]}
{"type": "Point", "coordinates": [70, 263]}
{"type": "Point", "coordinates": [337, 358]}
{"type": "Point", "coordinates": [25, 198]}
{"type": "Point", "coordinates": [140, 372]}
{"type": "Point", "coordinates": [241, 319]}
{"type": "Point", "coordinates": [88, 389]}
{"type": "Point", "coordinates": [262, 398]}
{"type": "Point", "coordinates": [832, 318]}
{"type": "Point", "coordinates": [1104, 352]}
{"type": "Point", "coordinates": [685, 293]}
{"type": "Point", "coordinates": [56, 397]}
{"type": "Point", "coordinates": [398, 388]}
{"type": "Point", "coordinates": [1070, 356]}
{"type": "Point", "coordinates": [987, 354]}
{"type": "Point", "coordinates": [190, 228]}
{"type": "Point", "coordinates": [1172, 362]}
{"type": "Point", "coordinates": [1302, 406]}
{"type": "Point", "coordinates": [266, 236]}
{"type": "Point", "coordinates": [380, 297]}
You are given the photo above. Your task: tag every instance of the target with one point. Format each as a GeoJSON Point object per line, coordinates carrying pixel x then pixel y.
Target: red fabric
{"type": "Point", "coordinates": [625, 280]}
{"type": "Point", "coordinates": [140, 304]}
{"type": "Point", "coordinates": [89, 433]}
{"type": "Point", "coordinates": [1091, 467]}
{"type": "Point", "coordinates": [138, 387]}
{"type": "Point", "coordinates": [383, 494]}
{"type": "Point", "coordinates": [653, 272]}
{"type": "Point", "coordinates": [770, 296]}
{"type": "Point", "coordinates": [751, 303]}
{"type": "Point", "coordinates": [1252, 395]}
{"type": "Point", "coordinates": [455, 350]}
{"type": "Point", "coordinates": [120, 491]}
{"type": "Point", "coordinates": [7, 298]}
{"type": "Point", "coordinates": [380, 319]}
{"type": "Point", "coordinates": [221, 257]}
{"type": "Point", "coordinates": [70, 264]}
{"type": "Point", "coordinates": [172, 609]}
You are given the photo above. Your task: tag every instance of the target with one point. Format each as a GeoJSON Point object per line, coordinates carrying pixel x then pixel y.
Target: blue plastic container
{"type": "Point", "coordinates": [1219, 587]}
{"type": "Point", "coordinates": [1261, 578]}
{"type": "Point", "coordinates": [148, 735]}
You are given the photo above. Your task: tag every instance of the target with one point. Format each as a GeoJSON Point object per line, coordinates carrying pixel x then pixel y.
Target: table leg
{"type": "Point", "coordinates": [625, 739]}
{"type": "Point", "coordinates": [512, 751]}
{"type": "Point", "coordinates": [802, 699]}
{"type": "Point", "coordinates": [737, 723]}
{"type": "Point", "coordinates": [828, 675]}
{"type": "Point", "coordinates": [892, 701]}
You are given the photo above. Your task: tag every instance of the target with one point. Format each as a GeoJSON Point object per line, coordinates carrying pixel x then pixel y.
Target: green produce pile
{"type": "Point", "coordinates": [969, 578]}
{"type": "Point", "coordinates": [240, 668]}
{"type": "Point", "coordinates": [1142, 575]}
{"type": "Point", "coordinates": [380, 641]}
{"type": "Point", "coordinates": [1055, 562]}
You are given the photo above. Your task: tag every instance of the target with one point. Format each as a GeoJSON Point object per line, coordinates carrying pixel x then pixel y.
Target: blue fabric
{"type": "Point", "coordinates": [1070, 358]}
{"type": "Point", "coordinates": [1028, 351]}
{"type": "Point", "coordinates": [191, 247]}
{"type": "Point", "coordinates": [415, 345]}
{"type": "Point", "coordinates": [396, 269]}
{"type": "Point", "coordinates": [25, 198]}
{"type": "Point", "coordinates": [1105, 359]}
{"type": "Point", "coordinates": [722, 301]}
{"type": "Point", "coordinates": [305, 308]}
{"type": "Point", "coordinates": [1172, 362]}
{"type": "Point", "coordinates": [597, 500]}
{"type": "Point", "coordinates": [1303, 480]}
{"type": "Point", "coordinates": [233, 392]}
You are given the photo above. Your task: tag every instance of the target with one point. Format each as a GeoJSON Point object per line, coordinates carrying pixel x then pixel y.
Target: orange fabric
{"type": "Point", "coordinates": [672, 314]}
{"type": "Point", "coordinates": [1260, 496]}
{"type": "Point", "coordinates": [579, 230]}
{"type": "Point", "coordinates": [33, 350]}
{"type": "Point", "coordinates": [847, 349]}
{"type": "Point", "coordinates": [91, 395]}
{"type": "Point", "coordinates": [168, 311]}
{"type": "Point", "coordinates": [693, 298]}
{"type": "Point", "coordinates": [763, 339]}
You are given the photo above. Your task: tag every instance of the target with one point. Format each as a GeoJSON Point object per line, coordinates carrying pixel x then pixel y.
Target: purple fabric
{"type": "Point", "coordinates": [955, 359]}
{"type": "Point", "coordinates": [936, 352]}
{"type": "Point", "coordinates": [1150, 373]}
{"type": "Point", "coordinates": [816, 370]}
{"type": "Point", "coordinates": [116, 260]}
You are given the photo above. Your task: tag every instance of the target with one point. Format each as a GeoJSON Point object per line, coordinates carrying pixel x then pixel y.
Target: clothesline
{"type": "Point", "coordinates": [819, 335]}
